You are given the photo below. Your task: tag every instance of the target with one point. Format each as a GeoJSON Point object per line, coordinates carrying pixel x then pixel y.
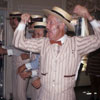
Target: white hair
{"type": "Point", "coordinates": [65, 28]}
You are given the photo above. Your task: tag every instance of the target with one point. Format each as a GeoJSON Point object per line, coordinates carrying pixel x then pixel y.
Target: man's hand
{"type": "Point", "coordinates": [21, 69]}
{"type": "Point", "coordinates": [82, 12]}
{"type": "Point", "coordinates": [25, 74]}
{"type": "Point", "coordinates": [3, 51]}
{"type": "Point", "coordinates": [24, 56]}
{"type": "Point", "coordinates": [25, 18]}
{"type": "Point", "coordinates": [36, 83]}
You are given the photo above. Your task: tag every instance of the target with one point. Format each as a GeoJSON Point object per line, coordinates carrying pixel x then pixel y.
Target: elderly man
{"type": "Point", "coordinates": [60, 54]}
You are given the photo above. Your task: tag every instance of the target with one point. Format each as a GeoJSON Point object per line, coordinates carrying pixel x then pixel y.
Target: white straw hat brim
{"type": "Point", "coordinates": [36, 16]}
{"type": "Point", "coordinates": [40, 24]}
{"type": "Point", "coordinates": [69, 25]}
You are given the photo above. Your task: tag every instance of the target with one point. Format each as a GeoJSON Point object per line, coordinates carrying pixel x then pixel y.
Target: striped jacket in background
{"type": "Point", "coordinates": [93, 64]}
{"type": "Point", "coordinates": [56, 68]}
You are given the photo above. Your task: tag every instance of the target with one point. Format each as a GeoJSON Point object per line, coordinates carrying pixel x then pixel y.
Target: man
{"type": "Point", "coordinates": [22, 89]}
{"type": "Point", "coordinates": [60, 54]}
{"type": "Point", "coordinates": [14, 18]}
{"type": "Point", "coordinates": [39, 31]}
{"type": "Point", "coordinates": [93, 69]}
{"type": "Point", "coordinates": [33, 66]}
{"type": "Point", "coordinates": [18, 85]}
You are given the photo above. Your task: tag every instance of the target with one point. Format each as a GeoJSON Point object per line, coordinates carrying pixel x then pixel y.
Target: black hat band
{"type": "Point", "coordinates": [39, 26]}
{"type": "Point", "coordinates": [36, 19]}
{"type": "Point", "coordinates": [60, 15]}
{"type": "Point", "coordinates": [15, 15]}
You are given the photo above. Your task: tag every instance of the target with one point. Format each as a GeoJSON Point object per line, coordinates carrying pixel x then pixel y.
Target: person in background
{"type": "Point", "coordinates": [93, 65]}
{"type": "Point", "coordinates": [33, 66]}
{"type": "Point", "coordinates": [60, 54]}
{"type": "Point", "coordinates": [93, 70]}
{"type": "Point", "coordinates": [29, 30]}
{"type": "Point", "coordinates": [18, 85]}
{"type": "Point", "coordinates": [14, 19]}
{"type": "Point", "coordinates": [18, 58]}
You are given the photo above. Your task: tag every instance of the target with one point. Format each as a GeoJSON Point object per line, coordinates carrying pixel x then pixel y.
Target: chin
{"type": "Point", "coordinates": [50, 36]}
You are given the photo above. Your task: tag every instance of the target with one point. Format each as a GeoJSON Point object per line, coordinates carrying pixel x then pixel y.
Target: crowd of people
{"type": "Point", "coordinates": [42, 51]}
{"type": "Point", "coordinates": [24, 64]}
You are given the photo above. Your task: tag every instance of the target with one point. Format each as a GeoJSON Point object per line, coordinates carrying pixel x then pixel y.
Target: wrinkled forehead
{"type": "Point", "coordinates": [51, 17]}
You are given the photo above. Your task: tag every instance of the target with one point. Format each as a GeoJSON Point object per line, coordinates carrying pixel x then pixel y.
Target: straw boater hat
{"type": "Point", "coordinates": [40, 25]}
{"type": "Point", "coordinates": [15, 14]}
{"type": "Point", "coordinates": [36, 18]}
{"type": "Point", "coordinates": [62, 15]}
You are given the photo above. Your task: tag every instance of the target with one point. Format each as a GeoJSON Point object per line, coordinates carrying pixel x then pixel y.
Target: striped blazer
{"type": "Point", "coordinates": [58, 69]}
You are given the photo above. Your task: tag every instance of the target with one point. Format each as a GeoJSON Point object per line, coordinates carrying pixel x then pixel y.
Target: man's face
{"type": "Point", "coordinates": [14, 23]}
{"type": "Point", "coordinates": [39, 32]}
{"type": "Point", "coordinates": [53, 27]}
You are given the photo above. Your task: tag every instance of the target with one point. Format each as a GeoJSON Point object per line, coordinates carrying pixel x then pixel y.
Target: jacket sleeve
{"type": "Point", "coordinates": [89, 43]}
{"type": "Point", "coordinates": [19, 40]}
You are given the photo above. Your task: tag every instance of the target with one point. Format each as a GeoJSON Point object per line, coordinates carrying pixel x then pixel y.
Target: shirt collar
{"type": "Point", "coordinates": [63, 39]}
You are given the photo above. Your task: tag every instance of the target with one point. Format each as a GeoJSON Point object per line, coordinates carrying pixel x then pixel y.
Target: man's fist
{"type": "Point", "coordinates": [25, 74]}
{"type": "Point", "coordinates": [36, 83]}
{"type": "Point", "coordinates": [25, 18]}
{"type": "Point", "coordinates": [82, 12]}
{"type": "Point", "coordinates": [21, 69]}
{"type": "Point", "coordinates": [24, 56]}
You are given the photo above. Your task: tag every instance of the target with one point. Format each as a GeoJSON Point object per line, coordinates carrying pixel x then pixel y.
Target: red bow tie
{"type": "Point", "coordinates": [57, 42]}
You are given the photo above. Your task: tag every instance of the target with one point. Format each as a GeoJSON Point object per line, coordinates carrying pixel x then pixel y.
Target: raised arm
{"type": "Point", "coordinates": [19, 40]}
{"type": "Point", "coordinates": [92, 42]}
